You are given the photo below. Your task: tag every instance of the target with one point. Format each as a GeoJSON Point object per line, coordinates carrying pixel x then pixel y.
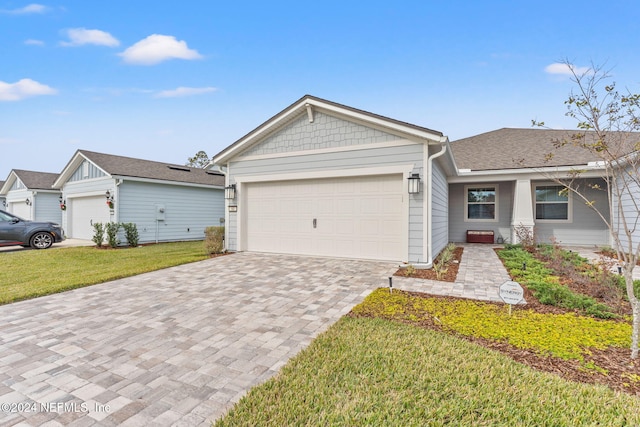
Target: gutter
{"type": "Point", "coordinates": [429, 201]}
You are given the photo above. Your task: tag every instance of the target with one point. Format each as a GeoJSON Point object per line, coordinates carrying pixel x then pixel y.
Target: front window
{"type": "Point", "coordinates": [481, 203]}
{"type": "Point", "coordinates": [552, 202]}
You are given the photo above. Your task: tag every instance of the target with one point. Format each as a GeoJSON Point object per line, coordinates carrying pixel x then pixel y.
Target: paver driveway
{"type": "Point", "coordinates": [172, 347]}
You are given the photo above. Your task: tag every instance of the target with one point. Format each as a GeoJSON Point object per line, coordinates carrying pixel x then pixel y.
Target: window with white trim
{"type": "Point", "coordinates": [552, 202]}
{"type": "Point", "coordinates": [481, 203]}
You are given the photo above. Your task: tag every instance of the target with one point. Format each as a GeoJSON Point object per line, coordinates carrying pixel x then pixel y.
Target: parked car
{"type": "Point", "coordinates": [17, 231]}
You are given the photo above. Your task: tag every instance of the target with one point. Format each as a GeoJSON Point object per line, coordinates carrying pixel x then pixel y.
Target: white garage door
{"type": "Point", "coordinates": [21, 209]}
{"type": "Point", "coordinates": [82, 212]}
{"type": "Point", "coordinates": [359, 217]}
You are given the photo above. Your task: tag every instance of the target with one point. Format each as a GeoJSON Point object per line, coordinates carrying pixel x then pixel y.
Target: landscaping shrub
{"type": "Point", "coordinates": [131, 233]}
{"type": "Point", "coordinates": [532, 273]}
{"type": "Point", "coordinates": [214, 240]}
{"type": "Point", "coordinates": [111, 229]}
{"type": "Point", "coordinates": [98, 233]}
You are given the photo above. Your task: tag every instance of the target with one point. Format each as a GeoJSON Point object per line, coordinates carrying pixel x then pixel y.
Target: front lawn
{"type": "Point", "coordinates": [29, 274]}
{"type": "Point", "coordinates": [371, 371]}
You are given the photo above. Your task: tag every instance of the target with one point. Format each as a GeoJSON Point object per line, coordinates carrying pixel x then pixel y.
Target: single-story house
{"type": "Point", "coordinates": [321, 178]}
{"type": "Point", "coordinates": [167, 202]}
{"type": "Point", "coordinates": [29, 195]}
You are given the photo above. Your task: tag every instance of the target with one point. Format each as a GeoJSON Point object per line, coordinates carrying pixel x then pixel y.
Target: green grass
{"type": "Point", "coordinates": [29, 274]}
{"type": "Point", "coordinates": [366, 371]}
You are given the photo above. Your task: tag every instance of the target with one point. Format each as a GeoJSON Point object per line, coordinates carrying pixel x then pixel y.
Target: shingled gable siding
{"type": "Point", "coordinates": [325, 132]}
{"type": "Point", "coordinates": [17, 185]}
{"type": "Point", "coordinates": [86, 170]}
{"type": "Point", "coordinates": [188, 210]}
{"type": "Point", "coordinates": [458, 226]}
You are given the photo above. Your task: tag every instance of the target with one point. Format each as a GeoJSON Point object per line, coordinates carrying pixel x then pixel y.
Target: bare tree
{"type": "Point", "coordinates": [608, 125]}
{"type": "Point", "coordinates": [200, 160]}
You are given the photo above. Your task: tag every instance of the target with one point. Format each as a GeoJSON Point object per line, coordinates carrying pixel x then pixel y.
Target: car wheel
{"type": "Point", "coordinates": [41, 240]}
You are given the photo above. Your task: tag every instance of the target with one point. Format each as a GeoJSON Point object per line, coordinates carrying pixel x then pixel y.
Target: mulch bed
{"type": "Point", "coordinates": [619, 367]}
{"type": "Point", "coordinates": [430, 274]}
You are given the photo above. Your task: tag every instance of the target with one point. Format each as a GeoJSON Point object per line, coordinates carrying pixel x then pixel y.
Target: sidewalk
{"type": "Point", "coordinates": [479, 277]}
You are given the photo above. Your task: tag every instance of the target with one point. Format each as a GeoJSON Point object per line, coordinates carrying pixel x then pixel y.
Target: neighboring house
{"type": "Point", "coordinates": [321, 178]}
{"type": "Point", "coordinates": [505, 180]}
{"type": "Point", "coordinates": [29, 195]}
{"type": "Point", "coordinates": [167, 202]}
{"type": "Point", "coordinates": [3, 199]}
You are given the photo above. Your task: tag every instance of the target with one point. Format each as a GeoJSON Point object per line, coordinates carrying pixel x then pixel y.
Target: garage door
{"type": "Point", "coordinates": [345, 217]}
{"type": "Point", "coordinates": [21, 209]}
{"type": "Point", "coordinates": [82, 213]}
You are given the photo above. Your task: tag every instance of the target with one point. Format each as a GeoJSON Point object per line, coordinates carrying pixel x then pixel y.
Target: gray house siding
{"type": "Point", "coordinates": [439, 209]}
{"type": "Point", "coordinates": [188, 210]}
{"type": "Point", "coordinates": [631, 211]}
{"type": "Point", "coordinates": [47, 207]}
{"type": "Point", "coordinates": [86, 170]}
{"type": "Point", "coordinates": [458, 226]}
{"type": "Point", "coordinates": [585, 226]}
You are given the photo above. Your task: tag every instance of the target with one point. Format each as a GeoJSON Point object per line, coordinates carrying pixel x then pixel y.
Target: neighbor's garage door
{"type": "Point", "coordinates": [21, 209]}
{"type": "Point", "coordinates": [83, 212]}
{"type": "Point", "coordinates": [357, 217]}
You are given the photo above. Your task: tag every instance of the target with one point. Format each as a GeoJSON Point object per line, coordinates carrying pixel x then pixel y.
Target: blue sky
{"type": "Point", "coordinates": [163, 80]}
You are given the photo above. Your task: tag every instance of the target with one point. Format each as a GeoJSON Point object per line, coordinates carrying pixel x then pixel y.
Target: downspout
{"type": "Point", "coordinates": [429, 199]}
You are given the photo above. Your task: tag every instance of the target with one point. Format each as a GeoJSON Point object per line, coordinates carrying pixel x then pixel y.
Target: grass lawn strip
{"type": "Point", "coordinates": [366, 371]}
{"type": "Point", "coordinates": [29, 274]}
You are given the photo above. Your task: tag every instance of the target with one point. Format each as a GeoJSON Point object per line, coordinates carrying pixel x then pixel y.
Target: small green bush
{"type": "Point", "coordinates": [131, 233]}
{"type": "Point", "coordinates": [214, 240]}
{"type": "Point", "coordinates": [98, 233]}
{"type": "Point", "coordinates": [111, 229]}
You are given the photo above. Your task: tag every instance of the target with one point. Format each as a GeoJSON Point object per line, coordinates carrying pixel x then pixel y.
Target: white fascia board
{"type": "Point", "coordinates": [75, 162]}
{"type": "Point", "coordinates": [166, 182]}
{"type": "Point", "coordinates": [525, 173]}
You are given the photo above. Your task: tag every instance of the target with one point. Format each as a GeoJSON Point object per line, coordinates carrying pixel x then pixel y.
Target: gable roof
{"type": "Point", "coordinates": [310, 103]}
{"type": "Point", "coordinates": [509, 148]}
{"type": "Point", "coordinates": [31, 179]}
{"type": "Point", "coordinates": [120, 166]}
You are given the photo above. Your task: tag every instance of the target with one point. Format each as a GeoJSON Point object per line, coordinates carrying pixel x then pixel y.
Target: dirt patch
{"type": "Point", "coordinates": [430, 274]}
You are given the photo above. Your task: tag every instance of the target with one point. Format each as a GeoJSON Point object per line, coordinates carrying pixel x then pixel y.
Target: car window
{"type": "Point", "coordinates": [5, 216]}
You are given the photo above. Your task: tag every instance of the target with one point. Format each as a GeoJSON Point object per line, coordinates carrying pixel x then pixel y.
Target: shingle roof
{"type": "Point", "coordinates": [520, 148]}
{"type": "Point", "coordinates": [36, 180]}
{"type": "Point", "coordinates": [138, 168]}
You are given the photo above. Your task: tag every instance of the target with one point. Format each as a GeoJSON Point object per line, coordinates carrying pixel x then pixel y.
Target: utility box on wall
{"type": "Point", "coordinates": [160, 212]}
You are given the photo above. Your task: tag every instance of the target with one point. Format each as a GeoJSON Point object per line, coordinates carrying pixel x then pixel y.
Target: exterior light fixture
{"type": "Point", "coordinates": [4, 203]}
{"type": "Point", "coordinates": [230, 192]}
{"type": "Point", "coordinates": [414, 183]}
{"type": "Point", "coordinates": [63, 203]}
{"type": "Point", "coordinates": [28, 202]}
{"type": "Point", "coordinates": [109, 197]}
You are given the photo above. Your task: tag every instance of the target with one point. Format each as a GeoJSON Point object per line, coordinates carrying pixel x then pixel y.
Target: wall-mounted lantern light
{"type": "Point", "coordinates": [230, 192]}
{"type": "Point", "coordinates": [4, 203]}
{"type": "Point", "coordinates": [414, 183]}
{"type": "Point", "coordinates": [109, 197]}
{"type": "Point", "coordinates": [28, 202]}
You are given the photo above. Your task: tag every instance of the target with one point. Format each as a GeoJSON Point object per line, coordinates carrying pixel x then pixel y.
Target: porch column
{"type": "Point", "coordinates": [522, 208]}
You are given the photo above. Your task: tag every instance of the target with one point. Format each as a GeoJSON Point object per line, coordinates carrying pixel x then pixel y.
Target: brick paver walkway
{"type": "Point", "coordinates": [180, 346]}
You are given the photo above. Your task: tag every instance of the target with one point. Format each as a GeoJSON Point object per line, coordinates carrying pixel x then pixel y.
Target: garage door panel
{"type": "Point", "coordinates": [83, 212]}
{"type": "Point", "coordinates": [355, 217]}
{"type": "Point", "coordinates": [21, 209]}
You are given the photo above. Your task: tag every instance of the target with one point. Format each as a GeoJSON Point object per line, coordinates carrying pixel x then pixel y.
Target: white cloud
{"type": "Point", "coordinates": [565, 69]}
{"type": "Point", "coordinates": [34, 42]}
{"type": "Point", "coordinates": [22, 89]}
{"type": "Point", "coordinates": [185, 91]}
{"type": "Point", "coordinates": [29, 9]}
{"type": "Point", "coordinates": [157, 48]}
{"type": "Point", "coordinates": [82, 36]}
